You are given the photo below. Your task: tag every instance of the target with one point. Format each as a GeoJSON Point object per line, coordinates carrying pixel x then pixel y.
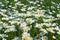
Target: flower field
{"type": "Point", "coordinates": [29, 19]}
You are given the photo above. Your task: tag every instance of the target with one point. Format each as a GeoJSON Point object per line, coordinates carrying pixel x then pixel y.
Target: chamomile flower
{"type": "Point", "coordinates": [26, 28]}
{"type": "Point", "coordinates": [44, 38]}
{"type": "Point", "coordinates": [50, 30]}
{"type": "Point", "coordinates": [26, 36]}
{"type": "Point", "coordinates": [30, 20]}
{"type": "Point", "coordinates": [1, 22]}
{"type": "Point", "coordinates": [5, 19]}
{"type": "Point", "coordinates": [38, 25]}
{"type": "Point", "coordinates": [22, 25]}
{"type": "Point", "coordinates": [3, 10]}
{"type": "Point", "coordinates": [58, 15]}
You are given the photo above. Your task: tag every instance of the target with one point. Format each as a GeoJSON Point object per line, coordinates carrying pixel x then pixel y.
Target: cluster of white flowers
{"type": "Point", "coordinates": [29, 16]}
